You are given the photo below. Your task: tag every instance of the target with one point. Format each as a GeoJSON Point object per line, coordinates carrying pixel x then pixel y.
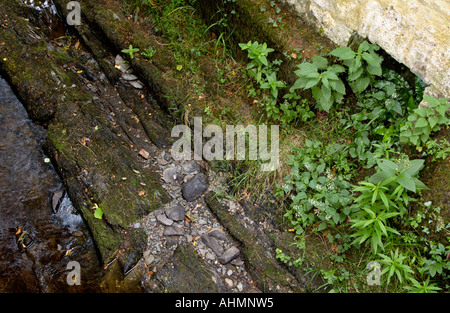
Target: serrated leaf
{"type": "Point", "coordinates": [339, 87]}
{"type": "Point", "coordinates": [320, 62]}
{"type": "Point", "coordinates": [421, 122]}
{"type": "Point", "coordinates": [362, 83]}
{"type": "Point", "coordinates": [306, 68]}
{"type": "Point", "coordinates": [326, 93]}
{"type": "Point", "coordinates": [343, 53]}
{"type": "Point", "coordinates": [311, 83]}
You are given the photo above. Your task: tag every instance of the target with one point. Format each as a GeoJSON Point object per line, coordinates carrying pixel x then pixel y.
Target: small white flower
{"type": "Point", "coordinates": [428, 203]}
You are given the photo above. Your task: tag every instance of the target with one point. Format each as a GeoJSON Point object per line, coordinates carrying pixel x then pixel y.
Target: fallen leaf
{"type": "Point", "coordinates": [141, 193]}
{"type": "Point", "coordinates": [77, 44]}
{"type": "Point", "coordinates": [144, 154]}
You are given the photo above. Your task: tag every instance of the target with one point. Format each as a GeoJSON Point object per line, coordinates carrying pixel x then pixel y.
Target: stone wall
{"type": "Point", "coordinates": [414, 32]}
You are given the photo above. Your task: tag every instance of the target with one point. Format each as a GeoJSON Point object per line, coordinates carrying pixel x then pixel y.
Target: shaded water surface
{"type": "Point", "coordinates": [38, 239]}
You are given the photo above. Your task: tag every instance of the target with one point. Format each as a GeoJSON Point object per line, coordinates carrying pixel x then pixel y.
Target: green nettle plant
{"type": "Point", "coordinates": [326, 87]}
{"type": "Point", "coordinates": [258, 54]}
{"type": "Point", "coordinates": [424, 120]}
{"type": "Point", "coordinates": [362, 65]}
{"type": "Point", "coordinates": [265, 74]}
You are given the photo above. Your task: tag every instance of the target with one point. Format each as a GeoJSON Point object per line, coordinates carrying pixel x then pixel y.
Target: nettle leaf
{"type": "Point", "coordinates": [326, 93]}
{"type": "Point", "coordinates": [354, 75]}
{"type": "Point", "coordinates": [335, 68]}
{"type": "Point", "coordinates": [364, 46]}
{"type": "Point", "coordinates": [343, 53]}
{"type": "Point", "coordinates": [306, 68]}
{"type": "Point", "coordinates": [299, 83]}
{"type": "Point", "coordinates": [421, 122]}
{"type": "Point", "coordinates": [374, 70]}
{"type": "Point", "coordinates": [362, 83]}
{"type": "Point", "coordinates": [369, 59]}
{"type": "Point", "coordinates": [311, 83]}
{"type": "Point", "coordinates": [320, 62]}
{"type": "Point", "coordinates": [421, 112]}
{"type": "Point", "coordinates": [339, 86]}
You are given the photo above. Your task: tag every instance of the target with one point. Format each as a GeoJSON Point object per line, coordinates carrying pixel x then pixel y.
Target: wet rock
{"type": "Point", "coordinates": [120, 64]}
{"type": "Point", "coordinates": [191, 167]}
{"type": "Point", "coordinates": [161, 217]}
{"type": "Point", "coordinates": [148, 257]}
{"type": "Point", "coordinates": [195, 187]}
{"type": "Point", "coordinates": [217, 233]}
{"type": "Point", "coordinates": [239, 286]}
{"type": "Point", "coordinates": [129, 77]}
{"type": "Point", "coordinates": [175, 213]}
{"type": "Point", "coordinates": [173, 231]}
{"type": "Point", "coordinates": [229, 255]}
{"type": "Point", "coordinates": [136, 84]}
{"type": "Point", "coordinates": [56, 200]}
{"type": "Point", "coordinates": [229, 282]}
{"type": "Point", "coordinates": [212, 243]}
{"type": "Point", "coordinates": [186, 272]}
{"type": "Point", "coordinates": [210, 256]}
{"type": "Point", "coordinates": [170, 174]}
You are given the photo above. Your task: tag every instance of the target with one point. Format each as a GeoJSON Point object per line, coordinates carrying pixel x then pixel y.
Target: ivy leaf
{"type": "Point", "coordinates": [98, 212]}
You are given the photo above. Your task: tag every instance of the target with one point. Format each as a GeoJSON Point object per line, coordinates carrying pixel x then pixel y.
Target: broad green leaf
{"type": "Point", "coordinates": [299, 83]}
{"type": "Point", "coordinates": [311, 83]}
{"type": "Point", "coordinates": [320, 62]}
{"type": "Point", "coordinates": [362, 83]}
{"type": "Point", "coordinates": [339, 87]}
{"type": "Point", "coordinates": [343, 53]}
{"type": "Point", "coordinates": [406, 181]}
{"type": "Point", "coordinates": [263, 60]}
{"type": "Point", "coordinates": [388, 166]}
{"type": "Point", "coordinates": [322, 226]}
{"type": "Point", "coordinates": [326, 92]}
{"type": "Point", "coordinates": [421, 122]}
{"type": "Point", "coordinates": [306, 68]}
{"type": "Point", "coordinates": [414, 167]}
{"type": "Point", "coordinates": [421, 112]}
{"type": "Point", "coordinates": [379, 177]}
{"type": "Point", "coordinates": [374, 70]}
{"type": "Point", "coordinates": [98, 213]}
